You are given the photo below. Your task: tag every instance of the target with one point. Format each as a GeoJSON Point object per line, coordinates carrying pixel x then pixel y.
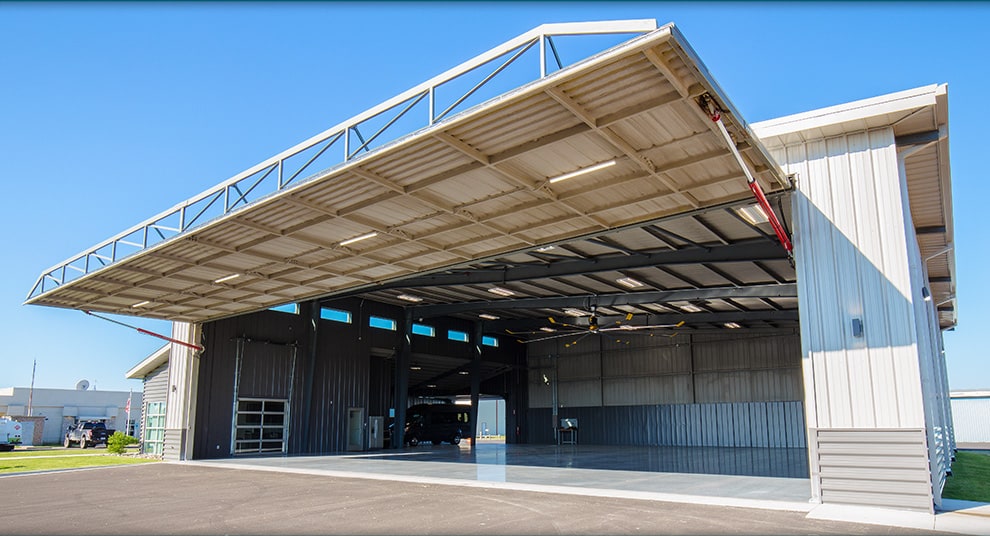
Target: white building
{"type": "Point", "coordinates": [63, 408]}
{"type": "Point", "coordinates": [971, 418]}
{"type": "Point", "coordinates": [150, 412]}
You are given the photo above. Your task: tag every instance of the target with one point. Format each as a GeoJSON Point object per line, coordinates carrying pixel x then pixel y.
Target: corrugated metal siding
{"type": "Point", "coordinates": [734, 367]}
{"type": "Point", "coordinates": [647, 390]}
{"type": "Point", "coordinates": [172, 449]}
{"type": "Point", "coordinates": [183, 371]}
{"type": "Point", "coordinates": [156, 384]}
{"type": "Point", "coordinates": [857, 257]}
{"type": "Point", "coordinates": [747, 424]}
{"type": "Point", "coordinates": [848, 198]}
{"type": "Point", "coordinates": [155, 390]}
{"type": "Point", "coordinates": [971, 417]}
{"type": "Point", "coordinates": [348, 372]}
{"type": "Point", "coordinates": [266, 371]}
{"type": "Point", "coordinates": [886, 468]}
{"type": "Point", "coordinates": [342, 381]}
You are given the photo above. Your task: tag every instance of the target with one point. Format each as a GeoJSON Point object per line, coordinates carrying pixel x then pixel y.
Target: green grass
{"type": "Point", "coordinates": [41, 451]}
{"type": "Point", "coordinates": [43, 459]}
{"type": "Point", "coordinates": [970, 480]}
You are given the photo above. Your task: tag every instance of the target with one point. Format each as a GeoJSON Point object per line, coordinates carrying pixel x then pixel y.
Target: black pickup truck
{"type": "Point", "coordinates": [87, 434]}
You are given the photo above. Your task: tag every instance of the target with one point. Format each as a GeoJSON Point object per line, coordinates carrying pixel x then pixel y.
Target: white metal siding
{"type": "Point", "coordinates": [971, 417]}
{"type": "Point", "coordinates": [850, 249]}
{"type": "Point", "coordinates": [857, 258]}
{"type": "Point", "coordinates": [183, 373]}
{"type": "Point", "coordinates": [886, 468]}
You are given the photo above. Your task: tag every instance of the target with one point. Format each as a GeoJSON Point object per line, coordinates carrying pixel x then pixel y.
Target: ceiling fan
{"type": "Point", "coordinates": [559, 329]}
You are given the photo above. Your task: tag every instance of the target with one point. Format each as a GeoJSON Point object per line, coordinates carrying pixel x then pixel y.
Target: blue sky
{"type": "Point", "coordinates": [111, 113]}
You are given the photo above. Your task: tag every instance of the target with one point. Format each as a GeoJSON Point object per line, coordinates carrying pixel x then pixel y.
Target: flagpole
{"type": "Point", "coordinates": [31, 391]}
{"type": "Point", "coordinates": [127, 423]}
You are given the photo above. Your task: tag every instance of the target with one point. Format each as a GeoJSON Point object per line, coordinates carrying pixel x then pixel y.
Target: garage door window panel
{"type": "Point", "coordinates": [261, 426]}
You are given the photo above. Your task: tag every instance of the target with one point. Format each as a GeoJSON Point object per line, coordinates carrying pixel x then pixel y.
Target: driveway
{"type": "Point", "coordinates": [176, 498]}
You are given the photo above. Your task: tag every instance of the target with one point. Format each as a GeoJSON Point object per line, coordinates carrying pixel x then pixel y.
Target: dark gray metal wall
{"type": "Point", "coordinates": [337, 367]}
{"type": "Point", "coordinates": [739, 424]}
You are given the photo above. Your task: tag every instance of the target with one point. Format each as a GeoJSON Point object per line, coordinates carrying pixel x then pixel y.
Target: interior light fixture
{"type": "Point", "coordinates": [501, 291]}
{"type": "Point", "coordinates": [463, 372]}
{"type": "Point", "coordinates": [415, 367]}
{"type": "Point", "coordinates": [548, 330]}
{"type": "Point", "coordinates": [545, 248]}
{"type": "Point", "coordinates": [754, 214]}
{"type": "Point", "coordinates": [575, 312]}
{"type": "Point", "coordinates": [227, 278]}
{"type": "Point", "coordinates": [141, 304]}
{"type": "Point", "coordinates": [691, 308]}
{"type": "Point", "coordinates": [732, 325]}
{"type": "Point", "coordinates": [582, 171]}
{"type": "Point", "coordinates": [629, 282]}
{"type": "Point", "coordinates": [431, 385]}
{"type": "Point", "coordinates": [487, 316]}
{"type": "Point", "coordinates": [410, 298]}
{"type": "Point", "coordinates": [925, 294]}
{"type": "Point", "coordinates": [350, 241]}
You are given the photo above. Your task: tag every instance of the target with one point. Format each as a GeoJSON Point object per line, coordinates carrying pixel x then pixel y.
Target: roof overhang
{"type": "Point", "coordinates": [623, 126]}
{"type": "Point", "coordinates": [983, 393]}
{"type": "Point", "coordinates": [920, 120]}
{"type": "Point", "coordinates": [157, 358]}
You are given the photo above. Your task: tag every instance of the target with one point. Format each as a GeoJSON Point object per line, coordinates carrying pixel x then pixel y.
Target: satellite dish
{"type": "Point", "coordinates": [82, 385]}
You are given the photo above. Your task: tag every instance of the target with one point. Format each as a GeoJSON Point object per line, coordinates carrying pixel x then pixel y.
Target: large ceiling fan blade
{"type": "Point", "coordinates": [577, 340]}
{"type": "Point", "coordinates": [627, 327]}
{"type": "Point", "coordinates": [582, 334]}
{"type": "Point", "coordinates": [564, 324]}
{"type": "Point", "coordinates": [529, 332]}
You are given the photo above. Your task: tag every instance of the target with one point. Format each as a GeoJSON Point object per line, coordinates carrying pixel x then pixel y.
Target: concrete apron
{"type": "Point", "coordinates": [489, 469]}
{"type": "Point", "coordinates": [620, 472]}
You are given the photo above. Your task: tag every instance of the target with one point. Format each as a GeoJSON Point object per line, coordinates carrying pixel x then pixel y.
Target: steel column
{"type": "Point", "coordinates": [311, 354]}
{"type": "Point", "coordinates": [401, 397]}
{"type": "Point", "coordinates": [476, 379]}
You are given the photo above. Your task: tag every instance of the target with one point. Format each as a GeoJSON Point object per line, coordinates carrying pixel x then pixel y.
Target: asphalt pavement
{"type": "Point", "coordinates": [176, 498]}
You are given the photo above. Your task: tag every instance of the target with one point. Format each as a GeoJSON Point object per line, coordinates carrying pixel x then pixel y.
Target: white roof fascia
{"type": "Point", "coordinates": [969, 394]}
{"type": "Point", "coordinates": [148, 364]}
{"type": "Point", "coordinates": [852, 112]}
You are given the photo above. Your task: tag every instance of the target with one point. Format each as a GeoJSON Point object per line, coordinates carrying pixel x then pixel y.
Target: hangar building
{"type": "Point", "coordinates": [604, 241]}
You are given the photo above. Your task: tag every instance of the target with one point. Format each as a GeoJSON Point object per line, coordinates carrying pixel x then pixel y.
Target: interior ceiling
{"type": "Point", "coordinates": [710, 267]}
{"type": "Point", "coordinates": [467, 205]}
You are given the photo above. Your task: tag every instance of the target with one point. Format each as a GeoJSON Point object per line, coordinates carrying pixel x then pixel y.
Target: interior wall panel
{"type": "Point", "coordinates": [745, 424]}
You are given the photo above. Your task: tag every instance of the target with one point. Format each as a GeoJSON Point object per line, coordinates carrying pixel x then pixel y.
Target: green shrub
{"type": "Point", "coordinates": [118, 442]}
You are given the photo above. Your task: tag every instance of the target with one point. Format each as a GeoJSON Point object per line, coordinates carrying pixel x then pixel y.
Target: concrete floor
{"type": "Point", "coordinates": [748, 477]}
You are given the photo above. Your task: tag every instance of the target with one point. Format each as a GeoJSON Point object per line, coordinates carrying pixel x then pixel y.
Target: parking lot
{"type": "Point", "coordinates": [182, 498]}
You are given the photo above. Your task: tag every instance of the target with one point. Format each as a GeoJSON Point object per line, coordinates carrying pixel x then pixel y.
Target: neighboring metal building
{"type": "Point", "coordinates": [971, 418]}
{"type": "Point", "coordinates": [608, 242]}
{"type": "Point", "coordinates": [153, 372]}
{"type": "Point", "coordinates": [63, 408]}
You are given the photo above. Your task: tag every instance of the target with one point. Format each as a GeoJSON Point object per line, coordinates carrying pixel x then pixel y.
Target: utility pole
{"type": "Point", "coordinates": [34, 368]}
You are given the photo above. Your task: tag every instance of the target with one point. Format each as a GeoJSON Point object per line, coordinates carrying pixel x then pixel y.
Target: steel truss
{"type": "Point", "coordinates": [391, 120]}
